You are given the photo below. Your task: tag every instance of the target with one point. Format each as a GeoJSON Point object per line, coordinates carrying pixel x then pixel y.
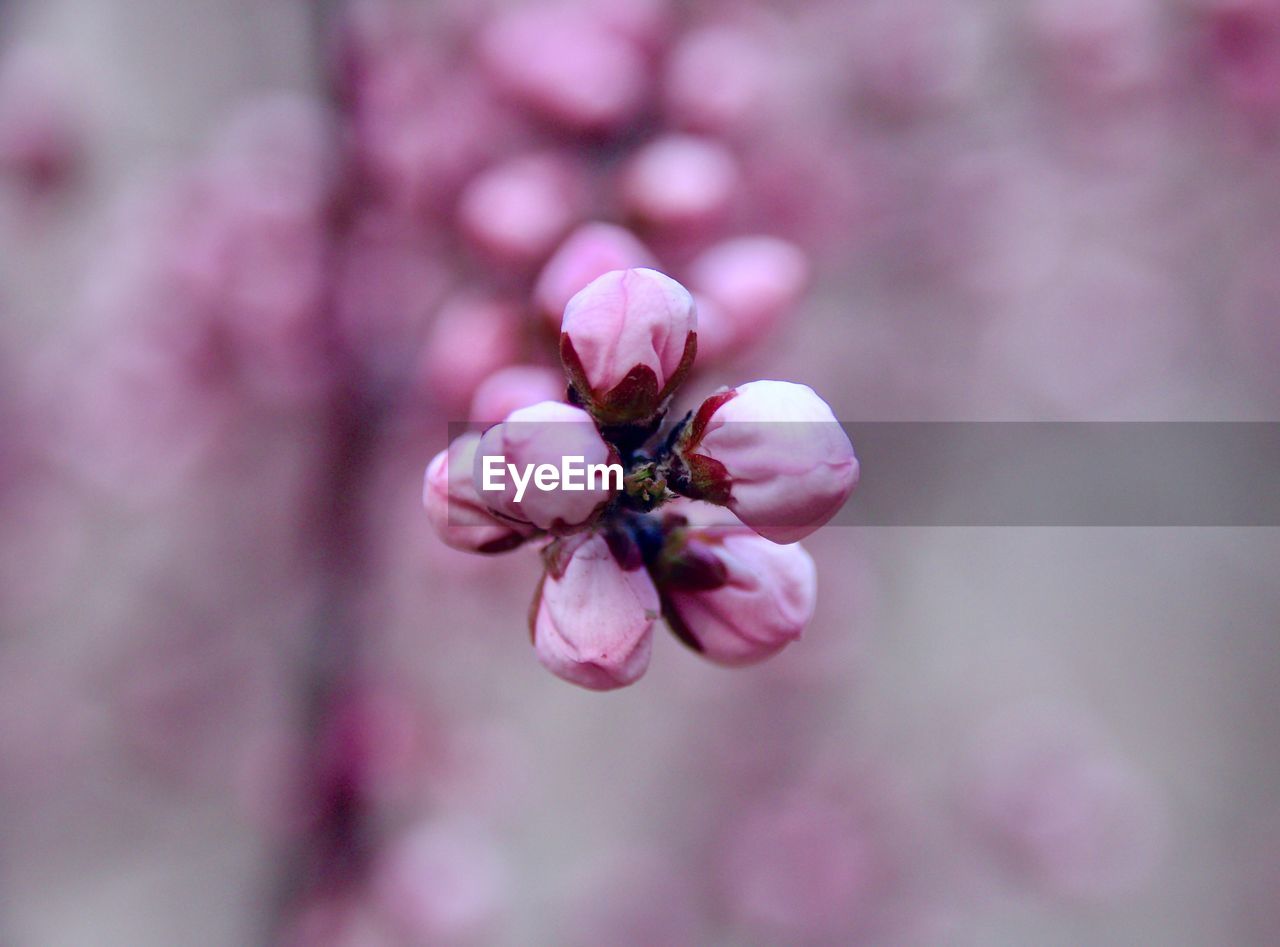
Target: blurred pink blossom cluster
{"type": "Point", "coordinates": [551, 221]}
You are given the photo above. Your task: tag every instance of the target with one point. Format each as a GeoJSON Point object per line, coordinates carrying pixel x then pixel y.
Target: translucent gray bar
{"type": "Point", "coordinates": [1065, 474]}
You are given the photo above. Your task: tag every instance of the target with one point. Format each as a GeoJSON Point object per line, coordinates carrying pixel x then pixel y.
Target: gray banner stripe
{"type": "Point", "coordinates": [1065, 474]}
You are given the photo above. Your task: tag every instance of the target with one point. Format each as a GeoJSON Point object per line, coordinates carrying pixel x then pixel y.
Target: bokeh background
{"type": "Point", "coordinates": [247, 697]}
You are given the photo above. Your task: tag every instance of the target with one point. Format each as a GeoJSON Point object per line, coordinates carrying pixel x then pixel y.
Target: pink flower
{"type": "Point", "coordinates": [590, 251]}
{"type": "Point", "coordinates": [566, 64]}
{"type": "Point", "coordinates": [752, 282]}
{"type": "Point", "coordinates": [512, 388]}
{"type": "Point", "coordinates": [454, 508]}
{"type": "Point", "coordinates": [716, 79]}
{"type": "Point", "coordinates": [773, 453]}
{"type": "Point", "coordinates": [593, 619]}
{"type": "Point", "coordinates": [806, 866]}
{"type": "Point", "coordinates": [627, 340]}
{"type": "Point", "coordinates": [442, 883]}
{"type": "Point", "coordinates": [680, 181]}
{"type": "Point", "coordinates": [472, 337]}
{"type": "Point", "coordinates": [1063, 810]}
{"type": "Point", "coordinates": [549, 433]}
{"type": "Point", "coordinates": [761, 596]}
{"type": "Point", "coordinates": [516, 212]}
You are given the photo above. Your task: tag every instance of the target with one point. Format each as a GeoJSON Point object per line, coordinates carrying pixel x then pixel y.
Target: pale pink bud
{"type": "Point", "coordinates": [456, 511]}
{"type": "Point", "coordinates": [762, 596]}
{"type": "Point", "coordinates": [753, 282]}
{"type": "Point", "coordinates": [627, 341]}
{"type": "Point", "coordinates": [914, 57]}
{"type": "Point", "coordinates": [471, 338]}
{"type": "Point", "coordinates": [805, 866]}
{"type": "Point", "coordinates": [593, 618]}
{"type": "Point", "coordinates": [1064, 810]}
{"type": "Point", "coordinates": [546, 435]}
{"type": "Point", "coordinates": [512, 388]}
{"type": "Point", "coordinates": [716, 79]}
{"type": "Point", "coordinates": [442, 883]}
{"type": "Point", "coordinates": [517, 211]}
{"type": "Point", "coordinates": [565, 64]}
{"type": "Point", "coordinates": [680, 181]}
{"type": "Point", "coordinates": [590, 251]}
{"type": "Point", "coordinates": [773, 453]}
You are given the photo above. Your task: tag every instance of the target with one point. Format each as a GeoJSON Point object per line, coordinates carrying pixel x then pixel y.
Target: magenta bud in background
{"type": "Point", "coordinates": [752, 282]}
{"type": "Point", "coordinates": [512, 388]}
{"type": "Point", "coordinates": [774, 454]}
{"type": "Point", "coordinates": [516, 211]}
{"type": "Point", "coordinates": [471, 338]}
{"type": "Point", "coordinates": [590, 251]}
{"type": "Point", "coordinates": [680, 182]}
{"type": "Point", "coordinates": [592, 620]}
{"type": "Point", "coordinates": [441, 883]}
{"type": "Point", "coordinates": [716, 80]}
{"type": "Point", "coordinates": [565, 64]}
{"type": "Point", "coordinates": [1060, 808]}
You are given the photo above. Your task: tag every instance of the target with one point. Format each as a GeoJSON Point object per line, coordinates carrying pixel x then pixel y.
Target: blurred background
{"type": "Point", "coordinates": [256, 255]}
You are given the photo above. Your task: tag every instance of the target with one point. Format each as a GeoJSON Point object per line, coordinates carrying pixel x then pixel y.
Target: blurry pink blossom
{"type": "Point", "coordinates": [516, 211]}
{"type": "Point", "coordinates": [512, 388]}
{"type": "Point", "coordinates": [1062, 809]}
{"type": "Point", "coordinates": [471, 338]}
{"type": "Point", "coordinates": [590, 251]}
{"type": "Point", "coordinates": [680, 183]}
{"type": "Point", "coordinates": [752, 283]}
{"type": "Point", "coordinates": [568, 65]}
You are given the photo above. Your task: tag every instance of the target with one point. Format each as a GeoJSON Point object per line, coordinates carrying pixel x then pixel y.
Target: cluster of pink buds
{"type": "Point", "coordinates": [585, 478]}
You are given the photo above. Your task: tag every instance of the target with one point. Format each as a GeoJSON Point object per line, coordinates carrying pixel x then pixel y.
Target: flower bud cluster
{"type": "Point", "coordinates": [731, 585]}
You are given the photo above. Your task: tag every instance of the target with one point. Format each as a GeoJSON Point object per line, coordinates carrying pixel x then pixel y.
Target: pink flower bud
{"type": "Point", "coordinates": [773, 453]}
{"type": "Point", "coordinates": [471, 338]}
{"type": "Point", "coordinates": [716, 79]}
{"type": "Point", "coordinates": [513, 457]}
{"type": "Point", "coordinates": [442, 883]}
{"type": "Point", "coordinates": [680, 181]}
{"type": "Point", "coordinates": [590, 251]}
{"type": "Point", "coordinates": [512, 388]}
{"type": "Point", "coordinates": [763, 595]}
{"type": "Point", "coordinates": [593, 620]}
{"type": "Point", "coordinates": [516, 212]}
{"type": "Point", "coordinates": [752, 281]}
{"type": "Point", "coordinates": [457, 513]}
{"type": "Point", "coordinates": [627, 341]}
{"type": "Point", "coordinates": [1061, 807]}
{"type": "Point", "coordinates": [566, 64]}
